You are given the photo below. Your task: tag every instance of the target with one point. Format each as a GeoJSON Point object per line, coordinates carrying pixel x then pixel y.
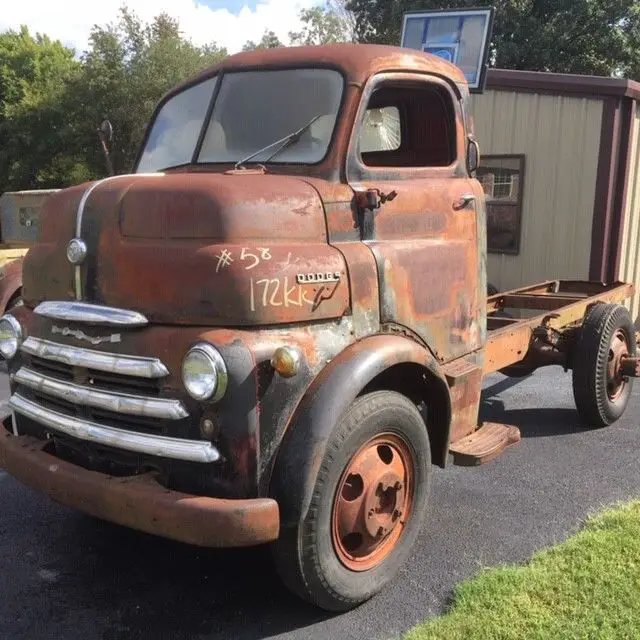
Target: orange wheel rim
{"type": "Point", "coordinates": [373, 502]}
{"type": "Point", "coordinates": [618, 349]}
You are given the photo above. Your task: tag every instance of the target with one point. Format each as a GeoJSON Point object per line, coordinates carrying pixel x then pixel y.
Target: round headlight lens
{"type": "Point", "coordinates": [204, 373]}
{"type": "Point", "coordinates": [10, 337]}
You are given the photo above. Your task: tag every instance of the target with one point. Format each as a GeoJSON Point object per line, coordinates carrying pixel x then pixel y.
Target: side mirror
{"type": "Point", "coordinates": [473, 156]}
{"type": "Point", "coordinates": [106, 131]}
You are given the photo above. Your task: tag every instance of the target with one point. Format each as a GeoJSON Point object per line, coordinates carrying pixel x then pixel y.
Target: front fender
{"type": "Point", "coordinates": [10, 283]}
{"type": "Point", "coordinates": [328, 397]}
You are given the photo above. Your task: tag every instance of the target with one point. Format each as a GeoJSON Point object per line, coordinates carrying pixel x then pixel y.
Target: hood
{"type": "Point", "coordinates": [202, 249]}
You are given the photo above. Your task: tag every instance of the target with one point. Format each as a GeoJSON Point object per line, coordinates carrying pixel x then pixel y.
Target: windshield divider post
{"type": "Point", "coordinates": [207, 119]}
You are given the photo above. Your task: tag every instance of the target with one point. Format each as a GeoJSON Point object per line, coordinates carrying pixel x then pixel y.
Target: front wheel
{"type": "Point", "coordinates": [600, 390]}
{"type": "Point", "coordinates": [367, 506]}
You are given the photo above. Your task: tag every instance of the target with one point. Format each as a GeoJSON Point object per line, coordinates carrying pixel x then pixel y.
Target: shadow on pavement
{"type": "Point", "coordinates": [156, 588]}
{"type": "Point", "coordinates": [533, 422]}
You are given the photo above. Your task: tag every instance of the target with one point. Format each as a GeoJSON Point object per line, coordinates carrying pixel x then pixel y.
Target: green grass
{"type": "Point", "coordinates": [587, 587]}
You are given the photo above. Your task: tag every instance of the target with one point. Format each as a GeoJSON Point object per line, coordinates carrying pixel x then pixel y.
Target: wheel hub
{"type": "Point", "coordinates": [618, 350]}
{"type": "Point", "coordinates": [381, 505]}
{"type": "Point", "coordinates": [373, 501]}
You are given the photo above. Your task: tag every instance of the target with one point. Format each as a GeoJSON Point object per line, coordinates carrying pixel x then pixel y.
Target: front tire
{"type": "Point", "coordinates": [600, 391]}
{"type": "Point", "coordinates": [367, 507]}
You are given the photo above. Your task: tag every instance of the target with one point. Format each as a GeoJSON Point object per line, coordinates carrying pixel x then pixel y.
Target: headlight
{"type": "Point", "coordinates": [204, 373]}
{"type": "Point", "coordinates": [10, 337]}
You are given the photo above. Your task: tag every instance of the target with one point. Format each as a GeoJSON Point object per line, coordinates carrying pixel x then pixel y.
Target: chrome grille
{"type": "Point", "coordinates": [104, 398]}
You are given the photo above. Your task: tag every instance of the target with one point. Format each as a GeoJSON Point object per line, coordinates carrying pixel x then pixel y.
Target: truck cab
{"type": "Point", "coordinates": [273, 328]}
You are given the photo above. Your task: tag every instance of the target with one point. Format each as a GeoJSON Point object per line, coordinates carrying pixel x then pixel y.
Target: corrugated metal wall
{"type": "Point", "coordinates": [560, 137]}
{"type": "Point", "coordinates": [630, 256]}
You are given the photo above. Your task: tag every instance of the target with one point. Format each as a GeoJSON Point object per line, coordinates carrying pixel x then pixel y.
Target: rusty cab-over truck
{"type": "Point", "coordinates": [274, 328]}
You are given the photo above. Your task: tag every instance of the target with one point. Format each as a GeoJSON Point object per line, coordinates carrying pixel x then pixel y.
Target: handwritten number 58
{"type": "Point", "coordinates": [247, 254]}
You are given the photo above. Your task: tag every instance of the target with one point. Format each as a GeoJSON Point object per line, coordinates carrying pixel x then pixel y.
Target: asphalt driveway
{"type": "Point", "coordinates": [66, 576]}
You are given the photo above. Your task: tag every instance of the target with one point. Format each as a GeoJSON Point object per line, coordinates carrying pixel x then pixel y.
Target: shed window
{"type": "Point", "coordinates": [502, 178]}
{"type": "Point", "coordinates": [408, 125]}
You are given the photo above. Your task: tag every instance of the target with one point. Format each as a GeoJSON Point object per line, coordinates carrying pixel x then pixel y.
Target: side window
{"type": "Point", "coordinates": [502, 177]}
{"type": "Point", "coordinates": [408, 125]}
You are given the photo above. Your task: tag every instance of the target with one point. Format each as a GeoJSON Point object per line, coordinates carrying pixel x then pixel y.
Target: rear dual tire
{"type": "Point", "coordinates": [367, 506]}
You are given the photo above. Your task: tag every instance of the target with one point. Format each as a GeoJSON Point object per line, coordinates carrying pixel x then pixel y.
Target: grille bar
{"type": "Point", "coordinates": [97, 360]}
{"type": "Point", "coordinates": [161, 446]}
{"type": "Point", "coordinates": [129, 404]}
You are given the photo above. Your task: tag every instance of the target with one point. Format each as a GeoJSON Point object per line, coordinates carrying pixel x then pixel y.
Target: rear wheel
{"type": "Point", "coordinates": [600, 390]}
{"type": "Point", "coordinates": [367, 506]}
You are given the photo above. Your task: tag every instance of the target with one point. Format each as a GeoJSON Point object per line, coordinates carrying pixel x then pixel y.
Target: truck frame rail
{"type": "Point", "coordinates": [533, 340]}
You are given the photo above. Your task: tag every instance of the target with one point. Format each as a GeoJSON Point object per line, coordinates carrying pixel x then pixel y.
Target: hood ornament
{"type": "Point", "coordinates": [76, 251]}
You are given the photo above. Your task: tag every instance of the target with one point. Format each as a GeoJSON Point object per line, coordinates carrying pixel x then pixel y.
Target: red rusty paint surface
{"type": "Point", "coordinates": [202, 249]}
{"type": "Point", "coordinates": [427, 256]}
{"type": "Point", "coordinates": [47, 274]}
{"type": "Point", "coordinates": [10, 282]}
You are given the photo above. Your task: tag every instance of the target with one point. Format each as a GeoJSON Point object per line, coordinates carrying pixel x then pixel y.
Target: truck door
{"type": "Point", "coordinates": [408, 155]}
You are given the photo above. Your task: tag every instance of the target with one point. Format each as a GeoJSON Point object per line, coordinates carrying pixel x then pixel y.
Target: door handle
{"type": "Point", "coordinates": [464, 201]}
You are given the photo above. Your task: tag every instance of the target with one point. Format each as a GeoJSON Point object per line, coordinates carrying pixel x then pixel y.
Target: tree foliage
{"type": "Point", "coordinates": [595, 37]}
{"type": "Point", "coordinates": [269, 40]}
{"type": "Point", "coordinates": [127, 69]}
{"type": "Point", "coordinates": [33, 74]}
{"type": "Point", "coordinates": [326, 24]}
{"type": "Point", "coordinates": [52, 103]}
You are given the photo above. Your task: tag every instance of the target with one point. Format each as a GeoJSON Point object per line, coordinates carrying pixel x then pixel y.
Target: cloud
{"type": "Point", "coordinates": [71, 20]}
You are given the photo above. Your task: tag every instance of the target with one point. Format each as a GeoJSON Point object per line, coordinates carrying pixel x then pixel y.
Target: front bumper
{"type": "Point", "coordinates": [139, 502]}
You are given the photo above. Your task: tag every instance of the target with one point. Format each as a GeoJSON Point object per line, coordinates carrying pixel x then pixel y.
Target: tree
{"type": "Point", "coordinates": [33, 74]}
{"type": "Point", "coordinates": [323, 25]}
{"type": "Point", "coordinates": [570, 36]}
{"type": "Point", "coordinates": [269, 40]}
{"type": "Point", "coordinates": [128, 67]}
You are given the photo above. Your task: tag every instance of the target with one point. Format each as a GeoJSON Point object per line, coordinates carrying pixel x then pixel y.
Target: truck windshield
{"type": "Point", "coordinates": [253, 110]}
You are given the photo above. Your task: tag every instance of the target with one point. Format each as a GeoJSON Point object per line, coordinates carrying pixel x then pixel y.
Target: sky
{"type": "Point", "coordinates": [229, 23]}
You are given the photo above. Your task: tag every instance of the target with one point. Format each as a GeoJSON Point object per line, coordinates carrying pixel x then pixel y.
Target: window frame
{"type": "Point", "coordinates": [216, 77]}
{"type": "Point", "coordinates": [518, 205]}
{"type": "Point", "coordinates": [357, 171]}
{"type": "Point", "coordinates": [220, 72]}
{"type": "Point", "coordinates": [339, 114]}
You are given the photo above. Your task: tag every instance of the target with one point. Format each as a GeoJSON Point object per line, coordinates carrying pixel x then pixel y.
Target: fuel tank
{"type": "Point", "coordinates": [200, 249]}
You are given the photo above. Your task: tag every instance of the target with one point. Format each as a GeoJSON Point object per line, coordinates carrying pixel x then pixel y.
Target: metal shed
{"type": "Point", "coordinates": [560, 168]}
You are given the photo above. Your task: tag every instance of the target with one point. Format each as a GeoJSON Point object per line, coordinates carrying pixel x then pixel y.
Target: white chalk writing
{"type": "Point", "coordinates": [224, 260]}
{"type": "Point", "coordinates": [276, 292]}
{"type": "Point", "coordinates": [262, 254]}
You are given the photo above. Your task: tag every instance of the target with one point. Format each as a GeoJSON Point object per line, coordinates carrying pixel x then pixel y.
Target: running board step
{"type": "Point", "coordinates": [484, 445]}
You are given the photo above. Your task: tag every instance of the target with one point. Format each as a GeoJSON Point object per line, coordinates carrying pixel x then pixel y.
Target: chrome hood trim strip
{"type": "Point", "coordinates": [80, 215]}
{"type": "Point", "coordinates": [90, 314]}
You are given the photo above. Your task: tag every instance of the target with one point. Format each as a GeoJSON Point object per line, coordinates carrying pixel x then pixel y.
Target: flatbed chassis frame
{"type": "Point", "coordinates": [554, 313]}
{"type": "Point", "coordinates": [542, 339]}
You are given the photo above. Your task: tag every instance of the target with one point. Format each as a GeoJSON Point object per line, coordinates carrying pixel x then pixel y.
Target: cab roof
{"type": "Point", "coordinates": [357, 61]}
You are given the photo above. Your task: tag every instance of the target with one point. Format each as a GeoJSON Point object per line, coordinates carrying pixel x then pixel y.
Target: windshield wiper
{"type": "Point", "coordinates": [285, 142]}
